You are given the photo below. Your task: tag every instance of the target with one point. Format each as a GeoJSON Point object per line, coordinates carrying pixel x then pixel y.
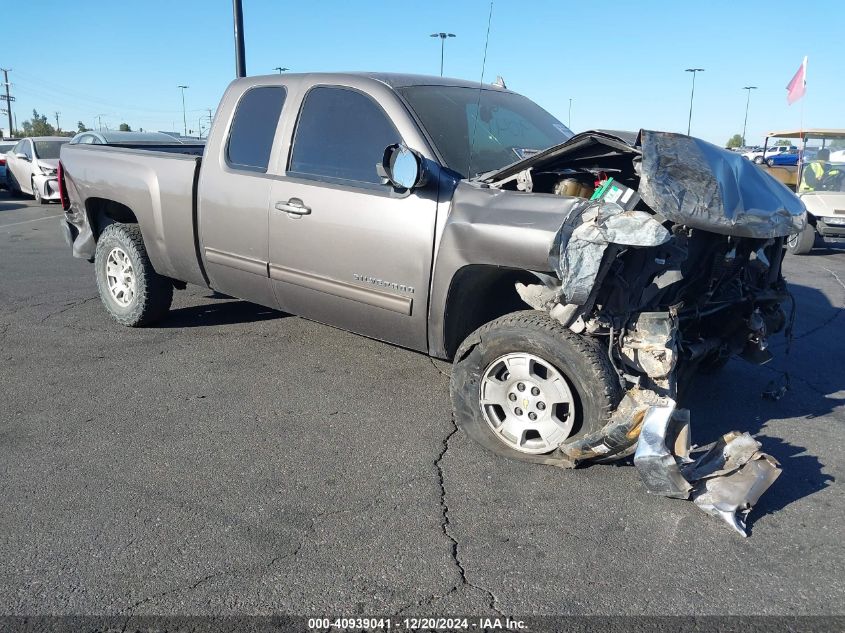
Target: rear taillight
{"type": "Point", "coordinates": [2, 161]}
{"type": "Point", "coordinates": [60, 176]}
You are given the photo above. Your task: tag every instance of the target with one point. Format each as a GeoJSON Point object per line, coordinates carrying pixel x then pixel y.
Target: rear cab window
{"type": "Point", "coordinates": [340, 137]}
{"type": "Point", "coordinates": [254, 128]}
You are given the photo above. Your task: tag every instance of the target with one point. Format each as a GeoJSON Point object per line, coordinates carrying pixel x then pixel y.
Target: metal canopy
{"type": "Point", "coordinates": [814, 132]}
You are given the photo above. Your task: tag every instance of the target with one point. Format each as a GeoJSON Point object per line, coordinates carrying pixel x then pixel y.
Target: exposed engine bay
{"type": "Point", "coordinates": [672, 259]}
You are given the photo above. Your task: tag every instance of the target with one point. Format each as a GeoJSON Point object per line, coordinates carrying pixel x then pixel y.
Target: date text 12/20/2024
{"type": "Point", "coordinates": [418, 623]}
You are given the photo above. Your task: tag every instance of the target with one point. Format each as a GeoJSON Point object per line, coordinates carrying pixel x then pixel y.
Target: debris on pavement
{"type": "Point", "coordinates": [725, 480]}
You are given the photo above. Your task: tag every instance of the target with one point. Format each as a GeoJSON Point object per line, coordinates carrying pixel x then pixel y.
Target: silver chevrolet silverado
{"type": "Point", "coordinates": [576, 281]}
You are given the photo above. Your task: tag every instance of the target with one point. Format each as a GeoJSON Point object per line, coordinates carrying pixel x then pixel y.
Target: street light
{"type": "Point", "coordinates": [280, 69]}
{"type": "Point", "coordinates": [747, 101]}
{"type": "Point", "coordinates": [692, 94]}
{"type": "Point", "coordinates": [184, 116]}
{"type": "Point", "coordinates": [569, 121]}
{"type": "Point", "coordinates": [442, 37]}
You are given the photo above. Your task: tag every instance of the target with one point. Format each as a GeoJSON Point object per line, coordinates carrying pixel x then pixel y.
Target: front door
{"type": "Point", "coordinates": [346, 249]}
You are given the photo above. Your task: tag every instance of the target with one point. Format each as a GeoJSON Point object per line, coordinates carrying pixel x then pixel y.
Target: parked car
{"type": "Point", "coordinates": [783, 158]}
{"type": "Point", "coordinates": [759, 157]}
{"type": "Point", "coordinates": [462, 222]}
{"type": "Point", "coordinates": [818, 177]}
{"type": "Point", "coordinates": [5, 146]}
{"type": "Point", "coordinates": [31, 167]}
{"type": "Point", "coordinates": [149, 140]}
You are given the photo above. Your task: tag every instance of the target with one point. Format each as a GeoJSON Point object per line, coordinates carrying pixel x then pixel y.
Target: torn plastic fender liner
{"type": "Point", "coordinates": [620, 433]}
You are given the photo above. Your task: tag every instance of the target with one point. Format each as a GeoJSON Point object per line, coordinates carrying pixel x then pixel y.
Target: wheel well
{"type": "Point", "coordinates": [102, 212]}
{"type": "Point", "coordinates": [477, 295]}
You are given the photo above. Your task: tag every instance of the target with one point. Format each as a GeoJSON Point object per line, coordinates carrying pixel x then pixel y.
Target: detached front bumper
{"type": "Point", "coordinates": [48, 186]}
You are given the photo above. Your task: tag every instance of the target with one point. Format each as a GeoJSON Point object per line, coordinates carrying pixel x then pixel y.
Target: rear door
{"type": "Point", "coordinates": [22, 167]}
{"type": "Point", "coordinates": [235, 193]}
{"type": "Point", "coordinates": [346, 249]}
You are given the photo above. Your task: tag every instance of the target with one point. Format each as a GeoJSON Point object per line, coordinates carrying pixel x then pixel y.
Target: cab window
{"type": "Point", "coordinates": [341, 135]}
{"type": "Point", "coordinates": [254, 127]}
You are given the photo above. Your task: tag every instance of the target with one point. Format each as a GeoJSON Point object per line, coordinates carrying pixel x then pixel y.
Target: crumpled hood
{"type": "Point", "coordinates": [684, 179]}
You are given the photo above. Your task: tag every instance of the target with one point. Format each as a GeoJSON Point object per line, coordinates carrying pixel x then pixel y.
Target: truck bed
{"type": "Point", "coordinates": [158, 185]}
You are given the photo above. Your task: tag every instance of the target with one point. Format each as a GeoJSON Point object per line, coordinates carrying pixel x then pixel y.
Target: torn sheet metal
{"type": "Point", "coordinates": [655, 458]}
{"type": "Point", "coordinates": [578, 259]}
{"type": "Point", "coordinates": [726, 479]}
{"type": "Point", "coordinates": [731, 497]}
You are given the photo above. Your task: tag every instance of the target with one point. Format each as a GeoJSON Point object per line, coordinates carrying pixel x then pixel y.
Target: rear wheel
{"type": "Point", "coordinates": [12, 183]}
{"type": "Point", "coordinates": [803, 242]}
{"type": "Point", "coordinates": [758, 160]}
{"type": "Point", "coordinates": [524, 384]}
{"type": "Point", "coordinates": [131, 290]}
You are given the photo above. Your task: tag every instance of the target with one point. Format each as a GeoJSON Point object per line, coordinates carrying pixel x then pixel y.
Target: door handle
{"type": "Point", "coordinates": [294, 206]}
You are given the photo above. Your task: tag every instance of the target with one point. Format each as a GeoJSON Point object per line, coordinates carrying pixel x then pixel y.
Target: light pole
{"type": "Point", "coordinates": [569, 121]}
{"type": "Point", "coordinates": [100, 122]}
{"type": "Point", "coordinates": [692, 94]}
{"type": "Point", "coordinates": [280, 69]}
{"type": "Point", "coordinates": [747, 102]}
{"type": "Point", "coordinates": [442, 37]}
{"type": "Point", "coordinates": [184, 116]}
{"type": "Point", "coordinates": [240, 54]}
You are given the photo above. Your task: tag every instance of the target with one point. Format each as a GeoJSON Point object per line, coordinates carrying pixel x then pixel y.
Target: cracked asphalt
{"type": "Point", "coordinates": [233, 460]}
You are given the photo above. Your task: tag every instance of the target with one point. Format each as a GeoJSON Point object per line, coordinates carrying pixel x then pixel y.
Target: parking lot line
{"type": "Point", "coordinates": [49, 217]}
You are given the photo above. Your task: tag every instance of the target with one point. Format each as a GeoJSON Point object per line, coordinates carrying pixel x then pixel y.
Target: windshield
{"type": "Point", "coordinates": [48, 149]}
{"type": "Point", "coordinates": [823, 165]}
{"type": "Point", "coordinates": [473, 140]}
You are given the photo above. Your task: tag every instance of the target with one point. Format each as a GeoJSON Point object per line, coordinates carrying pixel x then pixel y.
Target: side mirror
{"type": "Point", "coordinates": [22, 156]}
{"type": "Point", "coordinates": [402, 167]}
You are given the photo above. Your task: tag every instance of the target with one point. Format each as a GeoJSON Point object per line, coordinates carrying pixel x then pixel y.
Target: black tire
{"type": "Point", "coordinates": [153, 293]}
{"type": "Point", "coordinates": [37, 194]}
{"type": "Point", "coordinates": [771, 162]}
{"type": "Point", "coordinates": [758, 160]}
{"type": "Point", "coordinates": [580, 359]}
{"type": "Point", "coordinates": [802, 243]}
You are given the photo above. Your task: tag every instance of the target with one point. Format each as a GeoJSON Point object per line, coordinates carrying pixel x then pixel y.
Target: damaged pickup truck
{"type": "Point", "coordinates": [431, 213]}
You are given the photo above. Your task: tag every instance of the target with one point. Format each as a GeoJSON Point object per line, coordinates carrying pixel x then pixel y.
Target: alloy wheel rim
{"type": "Point", "coordinates": [527, 403]}
{"type": "Point", "coordinates": [120, 276]}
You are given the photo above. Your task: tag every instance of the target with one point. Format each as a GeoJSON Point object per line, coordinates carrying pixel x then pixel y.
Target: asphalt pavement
{"type": "Point", "coordinates": [235, 460]}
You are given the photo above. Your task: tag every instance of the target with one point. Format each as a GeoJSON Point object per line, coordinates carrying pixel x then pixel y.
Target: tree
{"type": "Point", "coordinates": [81, 127]}
{"type": "Point", "coordinates": [783, 141]}
{"type": "Point", "coordinates": [124, 127]}
{"type": "Point", "coordinates": [734, 141]}
{"type": "Point", "coordinates": [38, 126]}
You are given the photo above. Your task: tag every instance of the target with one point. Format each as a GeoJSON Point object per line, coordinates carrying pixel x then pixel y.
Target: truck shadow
{"type": "Point", "coordinates": [732, 399]}
{"type": "Point", "coordinates": [219, 313]}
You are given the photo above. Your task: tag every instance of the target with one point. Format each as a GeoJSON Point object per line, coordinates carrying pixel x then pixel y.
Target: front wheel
{"type": "Point", "coordinates": [523, 384]}
{"type": "Point", "coordinates": [802, 243]}
{"type": "Point", "coordinates": [131, 290]}
{"type": "Point", "coordinates": [36, 193]}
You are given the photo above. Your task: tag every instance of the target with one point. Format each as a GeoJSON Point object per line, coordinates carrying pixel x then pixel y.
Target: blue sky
{"type": "Point", "coordinates": [622, 63]}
